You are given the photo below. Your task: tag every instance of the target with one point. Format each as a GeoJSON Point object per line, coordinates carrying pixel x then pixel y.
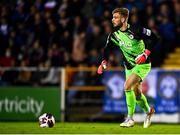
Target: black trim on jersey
{"type": "Point", "coordinates": [127, 64]}
{"type": "Point", "coordinates": [150, 39]}
{"type": "Point", "coordinates": [109, 47]}
{"type": "Point", "coordinates": [114, 37]}
{"type": "Point", "coordinates": [131, 55]}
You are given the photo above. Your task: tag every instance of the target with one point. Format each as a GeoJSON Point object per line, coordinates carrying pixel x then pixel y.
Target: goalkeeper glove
{"type": "Point", "coordinates": [140, 59]}
{"type": "Point", "coordinates": [102, 67]}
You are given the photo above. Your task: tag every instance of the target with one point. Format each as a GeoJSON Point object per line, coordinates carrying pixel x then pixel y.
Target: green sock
{"type": "Point", "coordinates": [131, 102]}
{"type": "Point", "coordinates": [142, 102]}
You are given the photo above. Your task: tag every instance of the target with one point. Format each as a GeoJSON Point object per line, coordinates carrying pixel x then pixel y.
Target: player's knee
{"type": "Point", "coordinates": [127, 86]}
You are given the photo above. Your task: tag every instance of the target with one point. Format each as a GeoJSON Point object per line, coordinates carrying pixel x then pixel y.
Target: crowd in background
{"type": "Point", "coordinates": [60, 33]}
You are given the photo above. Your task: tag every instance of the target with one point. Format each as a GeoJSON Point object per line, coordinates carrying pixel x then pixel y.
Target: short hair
{"type": "Point", "coordinates": [122, 11]}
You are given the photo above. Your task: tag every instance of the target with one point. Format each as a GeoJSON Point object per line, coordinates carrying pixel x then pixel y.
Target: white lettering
{"type": "Point", "coordinates": [39, 107]}
{"type": "Point", "coordinates": [27, 105]}
{"type": "Point", "coordinates": [1, 105]}
{"type": "Point", "coordinates": [125, 44]}
{"type": "Point", "coordinates": [11, 105]}
{"type": "Point", "coordinates": [6, 104]}
{"type": "Point", "coordinates": [22, 105]}
{"type": "Point", "coordinates": [31, 105]}
{"type": "Point", "coordinates": [16, 104]}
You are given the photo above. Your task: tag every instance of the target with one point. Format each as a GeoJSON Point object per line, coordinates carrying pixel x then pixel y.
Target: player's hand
{"type": "Point", "coordinates": [102, 67]}
{"type": "Point", "coordinates": [140, 59]}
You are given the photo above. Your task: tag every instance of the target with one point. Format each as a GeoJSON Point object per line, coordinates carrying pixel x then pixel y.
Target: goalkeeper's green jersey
{"type": "Point", "coordinates": [131, 42]}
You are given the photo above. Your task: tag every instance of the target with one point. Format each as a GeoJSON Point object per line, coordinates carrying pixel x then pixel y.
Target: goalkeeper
{"type": "Point", "coordinates": [135, 43]}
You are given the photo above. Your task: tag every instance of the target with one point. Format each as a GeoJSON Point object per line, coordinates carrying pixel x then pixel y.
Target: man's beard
{"type": "Point", "coordinates": [118, 26]}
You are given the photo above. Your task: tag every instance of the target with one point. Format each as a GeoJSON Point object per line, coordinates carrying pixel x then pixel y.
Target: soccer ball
{"type": "Point", "coordinates": [46, 120]}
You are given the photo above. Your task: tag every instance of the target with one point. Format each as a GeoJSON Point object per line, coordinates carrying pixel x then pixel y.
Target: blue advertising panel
{"type": "Point", "coordinates": [167, 100]}
{"type": "Point", "coordinates": [161, 88]}
{"type": "Point", "coordinates": [114, 98]}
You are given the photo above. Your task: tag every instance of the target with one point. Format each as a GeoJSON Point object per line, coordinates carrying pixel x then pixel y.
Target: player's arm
{"type": "Point", "coordinates": [150, 39]}
{"type": "Point", "coordinates": [109, 47]}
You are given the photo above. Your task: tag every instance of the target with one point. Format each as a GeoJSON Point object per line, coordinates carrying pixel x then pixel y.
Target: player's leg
{"type": "Point", "coordinates": [140, 98]}
{"type": "Point", "coordinates": [142, 102]}
{"type": "Point", "coordinates": [130, 95]}
{"type": "Point", "coordinates": [130, 99]}
{"type": "Point", "coordinates": [142, 71]}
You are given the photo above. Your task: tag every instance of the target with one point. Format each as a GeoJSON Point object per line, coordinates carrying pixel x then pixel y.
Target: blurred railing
{"type": "Point", "coordinates": [70, 71]}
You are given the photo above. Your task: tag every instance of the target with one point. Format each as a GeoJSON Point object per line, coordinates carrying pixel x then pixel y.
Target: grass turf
{"type": "Point", "coordinates": [86, 128]}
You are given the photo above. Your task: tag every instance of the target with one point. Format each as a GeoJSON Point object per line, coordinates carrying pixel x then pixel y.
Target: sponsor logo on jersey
{"type": "Point", "coordinates": [125, 44]}
{"type": "Point", "coordinates": [131, 36]}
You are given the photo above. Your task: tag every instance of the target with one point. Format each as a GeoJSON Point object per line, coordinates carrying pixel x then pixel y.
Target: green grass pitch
{"type": "Point", "coordinates": [86, 128]}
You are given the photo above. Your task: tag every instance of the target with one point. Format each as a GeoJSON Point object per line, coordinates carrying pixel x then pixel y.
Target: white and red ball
{"type": "Point", "coordinates": [46, 120]}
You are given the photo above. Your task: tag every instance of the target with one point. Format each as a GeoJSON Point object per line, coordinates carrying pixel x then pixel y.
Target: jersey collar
{"type": "Point", "coordinates": [128, 26]}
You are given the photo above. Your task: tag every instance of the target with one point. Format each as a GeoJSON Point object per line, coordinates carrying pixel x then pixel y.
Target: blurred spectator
{"type": "Point", "coordinates": [52, 77]}
{"type": "Point", "coordinates": [63, 18]}
{"type": "Point", "coordinates": [8, 77]}
{"type": "Point", "coordinates": [78, 55]}
{"type": "Point", "coordinates": [4, 31]}
{"type": "Point", "coordinates": [164, 10]}
{"type": "Point", "coordinates": [88, 9]}
{"type": "Point", "coordinates": [38, 74]}
{"type": "Point", "coordinates": [96, 38]}
{"type": "Point", "coordinates": [176, 4]}
{"type": "Point", "coordinates": [167, 31]}
{"type": "Point", "coordinates": [71, 32]}
{"type": "Point", "coordinates": [94, 57]}
{"type": "Point", "coordinates": [53, 34]}
{"type": "Point", "coordinates": [158, 47]}
{"type": "Point", "coordinates": [148, 13]}
{"type": "Point", "coordinates": [134, 20]}
{"type": "Point", "coordinates": [35, 54]}
{"type": "Point", "coordinates": [38, 4]}
{"type": "Point", "coordinates": [7, 60]}
{"type": "Point", "coordinates": [24, 75]}
{"type": "Point", "coordinates": [78, 27]}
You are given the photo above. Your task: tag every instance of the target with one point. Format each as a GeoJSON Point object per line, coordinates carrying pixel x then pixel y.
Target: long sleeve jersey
{"type": "Point", "coordinates": [131, 42]}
